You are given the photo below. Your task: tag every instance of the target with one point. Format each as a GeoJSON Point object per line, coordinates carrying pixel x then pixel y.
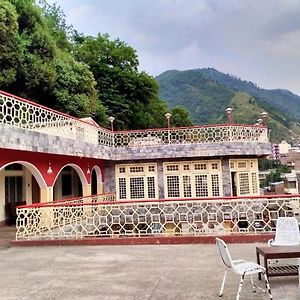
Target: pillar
{"type": "Point", "coordinates": [226, 177]}
{"type": "Point", "coordinates": [47, 194]}
{"type": "Point", "coordinates": [47, 215]}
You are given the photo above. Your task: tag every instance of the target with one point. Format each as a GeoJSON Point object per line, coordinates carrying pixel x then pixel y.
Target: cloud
{"type": "Point", "coordinates": [256, 40]}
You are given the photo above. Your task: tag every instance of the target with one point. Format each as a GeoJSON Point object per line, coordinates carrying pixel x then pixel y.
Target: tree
{"type": "Point", "coordinates": [8, 42]}
{"type": "Point", "coordinates": [180, 117]}
{"type": "Point", "coordinates": [74, 90]}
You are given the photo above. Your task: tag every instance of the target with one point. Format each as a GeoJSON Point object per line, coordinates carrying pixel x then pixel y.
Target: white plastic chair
{"type": "Point", "coordinates": [287, 232]}
{"type": "Point", "coordinates": [240, 267]}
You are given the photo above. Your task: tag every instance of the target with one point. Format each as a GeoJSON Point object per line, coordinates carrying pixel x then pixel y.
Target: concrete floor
{"type": "Point", "coordinates": [127, 272]}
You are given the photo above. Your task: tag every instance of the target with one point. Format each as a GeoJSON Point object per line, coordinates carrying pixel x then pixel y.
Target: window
{"type": "Point", "coordinates": [201, 186]}
{"type": "Point", "coordinates": [136, 181]}
{"type": "Point", "coordinates": [172, 168]}
{"type": "Point", "coordinates": [186, 167]}
{"type": "Point", "coordinates": [193, 179]}
{"type": "Point", "coordinates": [137, 188]}
{"type": "Point", "coordinates": [137, 169]}
{"type": "Point", "coordinates": [245, 171]}
{"type": "Point", "coordinates": [151, 187]}
{"type": "Point", "coordinates": [254, 183]}
{"type": "Point", "coordinates": [122, 188]}
{"type": "Point", "coordinates": [187, 187]}
{"type": "Point", "coordinates": [244, 183]}
{"type": "Point", "coordinates": [173, 186]}
{"type": "Point", "coordinates": [214, 166]}
{"type": "Point", "coordinates": [215, 186]}
{"type": "Point", "coordinates": [200, 166]}
{"type": "Point", "coordinates": [151, 168]}
{"type": "Point", "coordinates": [242, 164]}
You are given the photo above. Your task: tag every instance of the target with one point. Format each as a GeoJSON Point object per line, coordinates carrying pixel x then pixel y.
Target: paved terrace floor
{"type": "Point", "coordinates": [127, 272]}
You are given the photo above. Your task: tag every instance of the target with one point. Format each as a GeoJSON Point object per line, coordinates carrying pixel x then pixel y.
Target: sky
{"type": "Point", "coordinates": [257, 40]}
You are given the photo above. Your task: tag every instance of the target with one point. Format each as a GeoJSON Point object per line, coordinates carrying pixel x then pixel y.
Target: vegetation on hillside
{"type": "Point", "coordinates": [206, 99]}
{"type": "Point", "coordinates": [47, 61]}
{"type": "Point", "coordinates": [283, 101]}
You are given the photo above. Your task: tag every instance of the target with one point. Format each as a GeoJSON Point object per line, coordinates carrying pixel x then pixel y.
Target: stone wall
{"type": "Point", "coordinates": [23, 139]}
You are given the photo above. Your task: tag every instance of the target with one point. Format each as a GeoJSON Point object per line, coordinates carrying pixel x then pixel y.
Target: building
{"type": "Point", "coordinates": [52, 162]}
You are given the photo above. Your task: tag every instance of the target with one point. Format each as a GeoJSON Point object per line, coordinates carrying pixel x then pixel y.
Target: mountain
{"type": "Point", "coordinates": [283, 100]}
{"type": "Point", "coordinates": [206, 93]}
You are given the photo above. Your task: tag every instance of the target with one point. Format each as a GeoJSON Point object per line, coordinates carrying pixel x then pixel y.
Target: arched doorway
{"type": "Point", "coordinates": [20, 184]}
{"type": "Point", "coordinates": [69, 182]}
{"type": "Point", "coordinates": [96, 181]}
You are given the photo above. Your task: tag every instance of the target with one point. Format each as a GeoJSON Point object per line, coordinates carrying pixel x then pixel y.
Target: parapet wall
{"type": "Point", "coordinates": [23, 139]}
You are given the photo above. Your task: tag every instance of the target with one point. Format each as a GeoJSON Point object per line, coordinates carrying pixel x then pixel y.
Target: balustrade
{"type": "Point", "coordinates": [22, 113]}
{"type": "Point", "coordinates": [192, 217]}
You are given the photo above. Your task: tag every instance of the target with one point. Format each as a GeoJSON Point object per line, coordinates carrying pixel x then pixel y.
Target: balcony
{"type": "Point", "coordinates": [25, 125]}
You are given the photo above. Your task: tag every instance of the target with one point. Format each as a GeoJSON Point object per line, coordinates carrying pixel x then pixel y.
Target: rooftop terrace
{"type": "Point", "coordinates": [129, 273]}
{"type": "Point", "coordinates": [26, 125]}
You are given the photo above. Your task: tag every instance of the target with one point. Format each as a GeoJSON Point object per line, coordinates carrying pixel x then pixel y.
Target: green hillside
{"type": "Point", "coordinates": [282, 100]}
{"type": "Point", "coordinates": [206, 99]}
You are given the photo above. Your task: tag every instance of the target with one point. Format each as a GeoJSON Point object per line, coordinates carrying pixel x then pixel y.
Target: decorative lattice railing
{"type": "Point", "coordinates": [191, 135]}
{"type": "Point", "coordinates": [22, 113]}
{"type": "Point", "coordinates": [105, 197]}
{"type": "Point", "coordinates": [156, 218]}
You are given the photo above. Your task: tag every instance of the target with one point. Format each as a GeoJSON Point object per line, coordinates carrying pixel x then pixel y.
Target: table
{"type": "Point", "coordinates": [276, 253]}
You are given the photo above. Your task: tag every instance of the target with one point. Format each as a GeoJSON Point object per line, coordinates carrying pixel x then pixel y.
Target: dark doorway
{"type": "Point", "coordinates": [233, 184]}
{"type": "Point", "coordinates": [94, 183]}
{"type": "Point", "coordinates": [13, 197]}
{"type": "Point", "coordinates": [35, 189]}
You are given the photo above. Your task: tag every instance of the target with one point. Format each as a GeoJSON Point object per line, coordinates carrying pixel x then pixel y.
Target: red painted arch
{"type": "Point", "coordinates": [41, 161]}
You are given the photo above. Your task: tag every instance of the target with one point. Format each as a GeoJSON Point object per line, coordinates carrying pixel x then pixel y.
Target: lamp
{"type": "Point", "coordinates": [229, 115]}
{"type": "Point", "coordinates": [168, 116]}
{"type": "Point", "coordinates": [259, 121]}
{"type": "Point", "coordinates": [88, 170]}
{"type": "Point", "coordinates": [111, 120]}
{"type": "Point", "coordinates": [264, 117]}
{"type": "Point", "coordinates": [49, 170]}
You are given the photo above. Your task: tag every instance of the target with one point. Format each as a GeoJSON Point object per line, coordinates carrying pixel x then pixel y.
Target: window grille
{"type": "Point", "coordinates": [151, 187]}
{"type": "Point", "coordinates": [173, 186]}
{"type": "Point", "coordinates": [187, 187]}
{"type": "Point", "coordinates": [244, 183]}
{"type": "Point", "coordinates": [201, 186]}
{"type": "Point", "coordinates": [140, 181]}
{"type": "Point", "coordinates": [242, 164]}
{"type": "Point", "coordinates": [137, 188]}
{"type": "Point", "coordinates": [151, 169]}
{"type": "Point", "coordinates": [136, 169]}
{"type": "Point", "coordinates": [186, 167]}
{"type": "Point", "coordinates": [200, 166]}
{"type": "Point", "coordinates": [214, 166]}
{"type": "Point", "coordinates": [172, 168]}
{"type": "Point", "coordinates": [254, 183]}
{"type": "Point", "coordinates": [215, 187]}
{"type": "Point", "coordinates": [122, 188]}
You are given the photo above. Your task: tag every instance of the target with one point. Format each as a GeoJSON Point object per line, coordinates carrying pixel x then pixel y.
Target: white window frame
{"type": "Point", "coordinates": [145, 174]}
{"type": "Point", "coordinates": [192, 173]}
{"type": "Point", "coordinates": [251, 169]}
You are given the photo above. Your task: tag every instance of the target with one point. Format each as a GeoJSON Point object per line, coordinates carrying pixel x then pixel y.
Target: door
{"type": "Point", "coordinates": [13, 197]}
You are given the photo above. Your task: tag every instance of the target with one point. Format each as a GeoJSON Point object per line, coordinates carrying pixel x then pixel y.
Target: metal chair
{"type": "Point", "coordinates": [287, 232]}
{"type": "Point", "coordinates": [240, 267]}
